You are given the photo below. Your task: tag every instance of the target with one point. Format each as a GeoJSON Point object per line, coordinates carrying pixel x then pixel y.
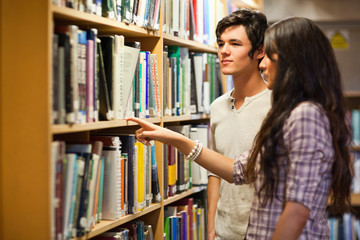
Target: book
{"type": "Point", "coordinates": [111, 207]}
{"type": "Point", "coordinates": [64, 75]}
{"type": "Point", "coordinates": [108, 52]}
{"type": "Point", "coordinates": [90, 73]}
{"type": "Point", "coordinates": [187, 204]}
{"type": "Point", "coordinates": [140, 172]}
{"type": "Point", "coordinates": [128, 146]}
{"type": "Point", "coordinates": [131, 57]}
{"type": "Point", "coordinates": [96, 151]}
{"type": "Point", "coordinates": [193, 91]}
{"type": "Point", "coordinates": [172, 170]}
{"type": "Point", "coordinates": [156, 85]}
{"type": "Point", "coordinates": [165, 171]}
{"type": "Point", "coordinates": [69, 188]}
{"type": "Point", "coordinates": [148, 232]}
{"type": "Point", "coordinates": [58, 154]}
{"type": "Point", "coordinates": [198, 173]}
{"type": "Point", "coordinates": [355, 124]}
{"type": "Point", "coordinates": [136, 81]}
{"type": "Point", "coordinates": [174, 52]}
{"type": "Point", "coordinates": [85, 156]}
{"type": "Point", "coordinates": [105, 110]}
{"type": "Point", "coordinates": [96, 80]}
{"type": "Point", "coordinates": [101, 189]}
{"type": "Point", "coordinates": [81, 117]}
{"type": "Point", "coordinates": [199, 80]}
{"type": "Point", "coordinates": [125, 157]}
{"type": "Point", "coordinates": [126, 13]}
{"type": "Point", "coordinates": [155, 185]}
{"type": "Point", "coordinates": [108, 9]}
{"type": "Point", "coordinates": [55, 81]}
{"type": "Point", "coordinates": [71, 71]}
{"type": "Point", "coordinates": [118, 74]}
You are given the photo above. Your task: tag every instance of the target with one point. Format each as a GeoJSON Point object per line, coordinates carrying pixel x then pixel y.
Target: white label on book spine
{"type": "Point", "coordinates": [167, 112]}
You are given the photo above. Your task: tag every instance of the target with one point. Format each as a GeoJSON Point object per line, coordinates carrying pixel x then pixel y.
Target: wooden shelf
{"type": "Point", "coordinates": [106, 225]}
{"type": "Point", "coordinates": [352, 94]}
{"type": "Point", "coordinates": [355, 199]}
{"type": "Point", "coordinates": [192, 45]}
{"type": "Point", "coordinates": [183, 194]}
{"type": "Point", "coordinates": [66, 128]}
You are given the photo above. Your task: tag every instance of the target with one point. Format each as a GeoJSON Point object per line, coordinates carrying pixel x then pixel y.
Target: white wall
{"type": "Point", "coordinates": [317, 10]}
{"type": "Point", "coordinates": [330, 15]}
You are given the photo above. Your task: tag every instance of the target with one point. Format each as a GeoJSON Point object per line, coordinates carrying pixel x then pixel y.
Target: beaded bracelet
{"type": "Point", "coordinates": [195, 152]}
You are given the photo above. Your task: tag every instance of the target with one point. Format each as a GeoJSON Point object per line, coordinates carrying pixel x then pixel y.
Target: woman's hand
{"type": "Point", "coordinates": [149, 132]}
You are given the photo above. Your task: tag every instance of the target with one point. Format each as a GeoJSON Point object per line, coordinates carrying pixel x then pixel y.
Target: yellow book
{"type": "Point", "coordinates": [140, 181]}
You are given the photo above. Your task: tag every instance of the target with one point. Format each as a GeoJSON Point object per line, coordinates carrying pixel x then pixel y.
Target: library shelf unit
{"type": "Point", "coordinates": [353, 102]}
{"type": "Point", "coordinates": [25, 113]}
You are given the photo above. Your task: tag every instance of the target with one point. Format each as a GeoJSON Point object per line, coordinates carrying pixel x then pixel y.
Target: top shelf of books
{"type": "Point", "coordinates": [104, 25]}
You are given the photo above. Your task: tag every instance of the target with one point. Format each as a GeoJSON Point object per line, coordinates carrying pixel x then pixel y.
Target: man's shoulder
{"type": "Point", "coordinates": [221, 99]}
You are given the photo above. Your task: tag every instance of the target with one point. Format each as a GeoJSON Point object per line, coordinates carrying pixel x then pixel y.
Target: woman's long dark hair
{"type": "Point", "coordinates": [306, 71]}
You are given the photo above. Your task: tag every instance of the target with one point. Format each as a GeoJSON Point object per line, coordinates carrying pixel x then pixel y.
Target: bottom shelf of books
{"type": "Point", "coordinates": [111, 185]}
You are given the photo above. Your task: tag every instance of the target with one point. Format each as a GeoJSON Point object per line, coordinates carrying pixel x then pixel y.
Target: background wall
{"type": "Point", "coordinates": [332, 16]}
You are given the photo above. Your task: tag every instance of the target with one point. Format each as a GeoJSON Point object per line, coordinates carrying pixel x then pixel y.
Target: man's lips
{"type": "Point", "coordinates": [225, 61]}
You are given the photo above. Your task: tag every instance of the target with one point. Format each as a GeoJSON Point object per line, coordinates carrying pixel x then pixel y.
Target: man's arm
{"type": "Point", "coordinates": [213, 195]}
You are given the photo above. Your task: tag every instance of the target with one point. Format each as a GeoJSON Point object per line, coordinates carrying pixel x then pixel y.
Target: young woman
{"type": "Point", "coordinates": [301, 153]}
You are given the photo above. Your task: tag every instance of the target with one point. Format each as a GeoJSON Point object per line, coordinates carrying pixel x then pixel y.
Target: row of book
{"type": "Point", "coordinates": [354, 116]}
{"type": "Point", "coordinates": [180, 174]}
{"type": "Point", "coordinates": [184, 220]}
{"type": "Point", "coordinates": [193, 19]}
{"type": "Point", "coordinates": [107, 178]}
{"type": "Point", "coordinates": [355, 187]}
{"type": "Point", "coordinates": [345, 227]}
{"type": "Point", "coordinates": [191, 81]}
{"type": "Point", "coordinates": [135, 230]}
{"type": "Point", "coordinates": [144, 13]}
{"type": "Point", "coordinates": [101, 77]}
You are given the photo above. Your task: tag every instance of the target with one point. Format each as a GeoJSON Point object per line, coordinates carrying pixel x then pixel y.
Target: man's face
{"type": "Point", "coordinates": [233, 49]}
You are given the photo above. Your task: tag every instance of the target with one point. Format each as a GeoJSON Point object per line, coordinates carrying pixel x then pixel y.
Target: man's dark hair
{"type": "Point", "coordinates": [255, 24]}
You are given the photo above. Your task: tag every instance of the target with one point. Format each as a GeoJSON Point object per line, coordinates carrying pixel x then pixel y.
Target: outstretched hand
{"type": "Point", "coordinates": [149, 132]}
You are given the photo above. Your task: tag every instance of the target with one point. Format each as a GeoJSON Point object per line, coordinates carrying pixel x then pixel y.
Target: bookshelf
{"type": "Point", "coordinates": [25, 112]}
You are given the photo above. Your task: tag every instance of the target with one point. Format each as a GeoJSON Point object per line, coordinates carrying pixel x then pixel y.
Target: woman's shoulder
{"type": "Point", "coordinates": [307, 108]}
{"type": "Point", "coordinates": [308, 112]}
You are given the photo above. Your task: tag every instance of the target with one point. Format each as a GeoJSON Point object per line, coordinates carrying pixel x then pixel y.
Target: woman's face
{"type": "Point", "coordinates": [269, 67]}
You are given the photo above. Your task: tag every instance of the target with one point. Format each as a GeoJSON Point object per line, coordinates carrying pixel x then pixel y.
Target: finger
{"type": "Point", "coordinates": [138, 121]}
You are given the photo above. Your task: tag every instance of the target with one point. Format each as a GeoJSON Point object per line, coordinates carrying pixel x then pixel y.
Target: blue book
{"type": "Point", "coordinates": [155, 188]}
{"type": "Point", "coordinates": [147, 75]}
{"type": "Point", "coordinates": [174, 228]}
{"type": "Point", "coordinates": [355, 124]}
{"type": "Point", "coordinates": [73, 195]}
{"type": "Point", "coordinates": [83, 151]}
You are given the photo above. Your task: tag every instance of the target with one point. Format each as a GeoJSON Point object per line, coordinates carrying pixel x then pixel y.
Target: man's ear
{"type": "Point", "coordinates": [260, 52]}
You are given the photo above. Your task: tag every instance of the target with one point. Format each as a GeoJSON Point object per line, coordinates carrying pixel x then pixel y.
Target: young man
{"type": "Point", "coordinates": [236, 117]}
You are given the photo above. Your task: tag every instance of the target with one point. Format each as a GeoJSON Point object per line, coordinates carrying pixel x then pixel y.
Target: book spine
{"type": "Point", "coordinates": [90, 62]}
{"type": "Point", "coordinates": [81, 117]}
{"type": "Point", "coordinates": [147, 82]}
